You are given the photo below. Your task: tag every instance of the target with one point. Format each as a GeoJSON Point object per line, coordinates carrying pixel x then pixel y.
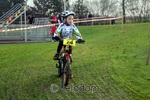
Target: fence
{"type": "Point", "coordinates": [42, 32]}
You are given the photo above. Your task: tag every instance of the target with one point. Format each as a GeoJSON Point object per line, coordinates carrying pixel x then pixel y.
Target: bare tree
{"type": "Point", "coordinates": [67, 4]}
{"type": "Point", "coordinates": [80, 9]}
{"type": "Point", "coordinates": [102, 7]}
{"type": "Point", "coordinates": [145, 10]}
{"type": "Point", "coordinates": [123, 11]}
{"type": "Point", "coordinates": [43, 6]}
{"type": "Point", "coordinates": [123, 6]}
{"type": "Point", "coordinates": [138, 10]}
{"type": "Point", "coordinates": [133, 9]}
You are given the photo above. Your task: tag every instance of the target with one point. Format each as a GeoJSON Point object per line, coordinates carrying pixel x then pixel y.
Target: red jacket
{"type": "Point", "coordinates": [53, 29]}
{"type": "Point", "coordinates": [54, 19]}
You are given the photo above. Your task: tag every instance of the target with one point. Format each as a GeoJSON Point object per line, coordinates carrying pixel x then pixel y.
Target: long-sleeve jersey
{"type": "Point", "coordinates": [66, 31]}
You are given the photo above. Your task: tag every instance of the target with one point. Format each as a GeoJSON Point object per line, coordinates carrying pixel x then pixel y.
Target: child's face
{"type": "Point", "coordinates": [70, 19]}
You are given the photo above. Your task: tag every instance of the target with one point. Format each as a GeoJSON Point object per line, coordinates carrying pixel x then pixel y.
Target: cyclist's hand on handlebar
{"type": "Point", "coordinates": [80, 41]}
{"type": "Point", "coordinates": [57, 38]}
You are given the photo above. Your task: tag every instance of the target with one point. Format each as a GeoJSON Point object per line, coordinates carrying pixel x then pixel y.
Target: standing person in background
{"type": "Point", "coordinates": [29, 19]}
{"type": "Point", "coordinates": [54, 20]}
{"type": "Point", "coordinates": [59, 18]}
{"type": "Point", "coordinates": [89, 16]}
{"type": "Point", "coordinates": [32, 19]}
{"type": "Point", "coordinates": [52, 31]}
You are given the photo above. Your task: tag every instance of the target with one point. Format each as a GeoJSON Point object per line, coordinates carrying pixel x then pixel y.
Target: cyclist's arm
{"type": "Point", "coordinates": [76, 32]}
{"type": "Point", "coordinates": [58, 30]}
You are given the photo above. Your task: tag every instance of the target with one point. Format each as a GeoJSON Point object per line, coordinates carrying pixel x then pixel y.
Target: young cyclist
{"type": "Point", "coordinates": [65, 30]}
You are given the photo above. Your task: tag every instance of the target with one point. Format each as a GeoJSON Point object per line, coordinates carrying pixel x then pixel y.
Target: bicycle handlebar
{"type": "Point", "coordinates": [80, 41]}
{"type": "Point", "coordinates": [57, 38]}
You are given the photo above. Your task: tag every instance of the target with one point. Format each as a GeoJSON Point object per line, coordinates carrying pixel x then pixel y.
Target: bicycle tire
{"type": "Point", "coordinates": [66, 75]}
{"type": "Point", "coordinates": [59, 72]}
{"type": "Point", "coordinates": [64, 80]}
{"type": "Point", "coordinates": [59, 66]}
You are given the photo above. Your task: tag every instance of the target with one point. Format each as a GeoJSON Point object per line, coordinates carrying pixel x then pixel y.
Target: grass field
{"type": "Point", "coordinates": [111, 60]}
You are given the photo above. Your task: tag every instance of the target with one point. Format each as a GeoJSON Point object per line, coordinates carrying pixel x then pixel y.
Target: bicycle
{"type": "Point", "coordinates": [65, 60]}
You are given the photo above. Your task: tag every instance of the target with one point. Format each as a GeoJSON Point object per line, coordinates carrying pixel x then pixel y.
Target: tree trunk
{"type": "Point", "coordinates": [123, 11]}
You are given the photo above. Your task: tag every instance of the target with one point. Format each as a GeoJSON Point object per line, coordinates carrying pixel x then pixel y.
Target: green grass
{"type": "Point", "coordinates": [110, 59]}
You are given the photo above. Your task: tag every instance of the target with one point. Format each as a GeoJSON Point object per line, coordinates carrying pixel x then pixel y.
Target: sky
{"type": "Point", "coordinates": [30, 2]}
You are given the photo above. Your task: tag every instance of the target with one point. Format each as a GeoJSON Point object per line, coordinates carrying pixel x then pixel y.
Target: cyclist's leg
{"type": "Point", "coordinates": [70, 52]}
{"type": "Point", "coordinates": [58, 50]}
{"type": "Point", "coordinates": [70, 49]}
{"type": "Point", "coordinates": [59, 47]}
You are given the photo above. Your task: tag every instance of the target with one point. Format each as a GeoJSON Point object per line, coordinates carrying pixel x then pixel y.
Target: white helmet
{"type": "Point", "coordinates": [67, 13]}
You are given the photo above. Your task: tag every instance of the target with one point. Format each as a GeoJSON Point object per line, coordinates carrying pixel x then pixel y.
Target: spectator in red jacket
{"type": "Point", "coordinates": [52, 31]}
{"type": "Point", "coordinates": [54, 20]}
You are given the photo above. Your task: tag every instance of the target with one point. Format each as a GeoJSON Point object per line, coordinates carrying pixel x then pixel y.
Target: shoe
{"type": "Point", "coordinates": [56, 56]}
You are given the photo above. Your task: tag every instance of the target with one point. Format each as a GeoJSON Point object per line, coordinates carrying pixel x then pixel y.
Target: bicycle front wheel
{"type": "Point", "coordinates": [66, 75]}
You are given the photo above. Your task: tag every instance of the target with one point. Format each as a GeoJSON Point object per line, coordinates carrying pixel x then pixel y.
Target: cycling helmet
{"type": "Point", "coordinates": [67, 13]}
